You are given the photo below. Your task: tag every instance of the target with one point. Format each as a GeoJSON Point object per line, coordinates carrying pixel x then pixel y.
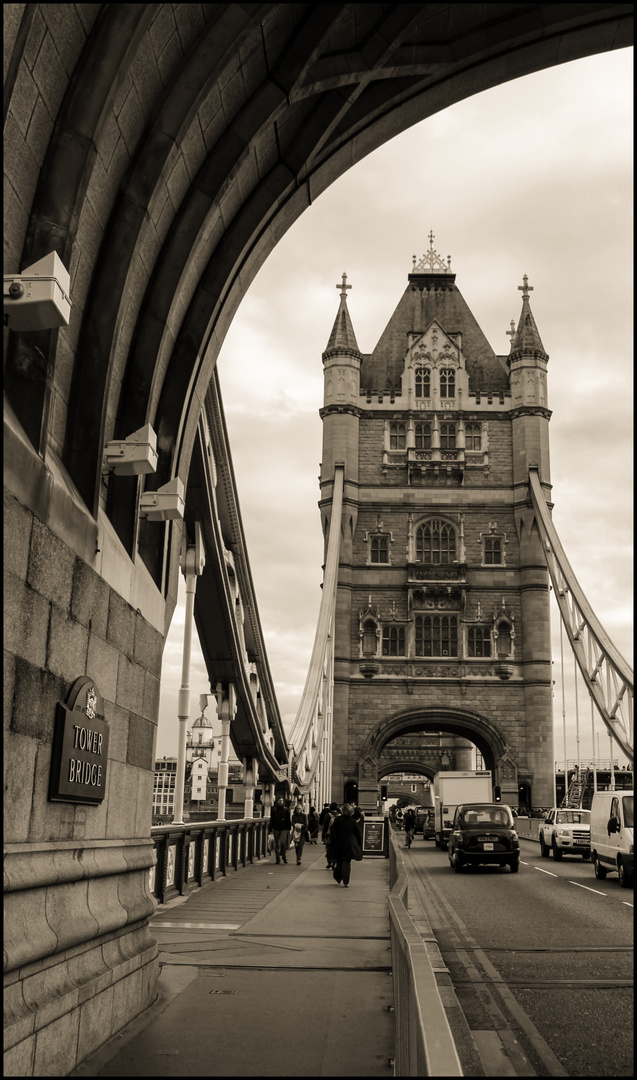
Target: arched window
{"type": "Point", "coordinates": [379, 549]}
{"type": "Point", "coordinates": [369, 638]}
{"type": "Point", "coordinates": [473, 436]}
{"type": "Point", "coordinates": [436, 635]}
{"type": "Point", "coordinates": [435, 542]}
{"type": "Point", "coordinates": [447, 436]}
{"type": "Point", "coordinates": [479, 641]}
{"type": "Point", "coordinates": [422, 435]}
{"type": "Point", "coordinates": [393, 641]}
{"type": "Point", "coordinates": [396, 436]}
{"type": "Point", "coordinates": [492, 550]}
{"type": "Point", "coordinates": [423, 383]}
{"type": "Point", "coordinates": [447, 383]}
{"type": "Point", "coordinates": [504, 638]}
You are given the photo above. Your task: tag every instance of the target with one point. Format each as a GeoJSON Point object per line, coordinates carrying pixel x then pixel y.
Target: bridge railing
{"type": "Point", "coordinates": [190, 855]}
{"type": "Point", "coordinates": [424, 1045]}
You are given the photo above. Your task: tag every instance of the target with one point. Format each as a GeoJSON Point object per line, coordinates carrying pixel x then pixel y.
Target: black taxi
{"type": "Point", "coordinates": [483, 833]}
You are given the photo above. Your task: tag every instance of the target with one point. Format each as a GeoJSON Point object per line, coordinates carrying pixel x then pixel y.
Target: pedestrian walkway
{"type": "Point", "coordinates": [271, 971]}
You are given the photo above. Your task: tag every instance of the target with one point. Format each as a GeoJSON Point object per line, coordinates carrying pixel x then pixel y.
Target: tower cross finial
{"type": "Point", "coordinates": [344, 287]}
{"type": "Point", "coordinates": [511, 333]}
{"type": "Point", "coordinates": [431, 238]}
{"type": "Point", "coordinates": [525, 289]}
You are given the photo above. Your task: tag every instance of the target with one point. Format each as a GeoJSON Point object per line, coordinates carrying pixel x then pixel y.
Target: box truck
{"type": "Point", "coordinates": [453, 788]}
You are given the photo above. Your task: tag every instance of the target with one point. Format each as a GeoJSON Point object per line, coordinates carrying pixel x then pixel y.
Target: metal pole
{"type": "Point", "coordinates": [612, 765]}
{"type": "Point", "coordinates": [579, 761]}
{"type": "Point", "coordinates": [563, 715]}
{"type": "Point", "coordinates": [183, 707]}
{"type": "Point", "coordinates": [593, 738]}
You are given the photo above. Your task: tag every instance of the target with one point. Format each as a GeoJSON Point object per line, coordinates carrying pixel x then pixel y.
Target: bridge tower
{"type": "Point", "coordinates": [442, 611]}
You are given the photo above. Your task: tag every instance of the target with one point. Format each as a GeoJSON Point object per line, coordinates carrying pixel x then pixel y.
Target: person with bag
{"type": "Point", "coordinates": [326, 834]}
{"type": "Point", "coordinates": [346, 844]}
{"type": "Point", "coordinates": [313, 825]}
{"type": "Point", "coordinates": [280, 826]}
{"type": "Point", "coordinates": [299, 831]}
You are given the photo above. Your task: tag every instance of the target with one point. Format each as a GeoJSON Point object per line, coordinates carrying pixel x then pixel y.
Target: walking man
{"type": "Point", "coordinates": [280, 825]}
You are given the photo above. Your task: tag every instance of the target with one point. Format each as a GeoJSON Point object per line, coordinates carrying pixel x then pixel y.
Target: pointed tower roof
{"type": "Point", "coordinates": [432, 293]}
{"type": "Point", "coordinates": [527, 337]}
{"type": "Point", "coordinates": [342, 337]}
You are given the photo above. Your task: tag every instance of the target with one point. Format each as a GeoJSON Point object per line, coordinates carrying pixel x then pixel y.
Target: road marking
{"type": "Point", "coordinates": [626, 903]}
{"type": "Point", "coordinates": [586, 887]}
{"type": "Point", "coordinates": [196, 926]}
{"type": "Point", "coordinates": [544, 871]}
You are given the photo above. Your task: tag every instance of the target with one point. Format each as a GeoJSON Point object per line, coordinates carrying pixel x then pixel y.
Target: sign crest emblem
{"type": "Point", "coordinates": [91, 702]}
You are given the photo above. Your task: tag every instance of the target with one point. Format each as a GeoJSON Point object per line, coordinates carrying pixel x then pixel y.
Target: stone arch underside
{"type": "Point", "coordinates": [463, 722]}
{"type": "Point", "coordinates": [176, 144]}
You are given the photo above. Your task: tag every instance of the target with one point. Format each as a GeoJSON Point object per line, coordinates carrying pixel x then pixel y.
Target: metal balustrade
{"type": "Point", "coordinates": [190, 855]}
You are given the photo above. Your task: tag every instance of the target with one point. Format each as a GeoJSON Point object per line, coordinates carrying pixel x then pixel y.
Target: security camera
{"type": "Point", "coordinates": [165, 504]}
{"type": "Point", "coordinates": [38, 298]}
{"type": "Point", "coordinates": [135, 456]}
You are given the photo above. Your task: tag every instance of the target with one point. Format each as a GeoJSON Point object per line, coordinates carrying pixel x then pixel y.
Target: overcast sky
{"type": "Point", "coordinates": [533, 177]}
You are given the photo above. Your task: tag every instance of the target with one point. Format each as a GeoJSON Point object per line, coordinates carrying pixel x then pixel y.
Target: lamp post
{"type": "Point", "coordinates": [193, 561]}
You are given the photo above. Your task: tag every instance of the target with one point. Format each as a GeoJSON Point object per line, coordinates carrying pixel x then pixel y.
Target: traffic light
{"type": "Point", "coordinates": [383, 793]}
{"type": "Point", "coordinates": [497, 794]}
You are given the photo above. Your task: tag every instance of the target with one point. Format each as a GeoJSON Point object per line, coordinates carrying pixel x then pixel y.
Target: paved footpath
{"type": "Point", "coordinates": [271, 971]}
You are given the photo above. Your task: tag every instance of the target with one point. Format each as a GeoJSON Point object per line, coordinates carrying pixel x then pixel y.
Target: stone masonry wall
{"type": "Point", "coordinates": [80, 961]}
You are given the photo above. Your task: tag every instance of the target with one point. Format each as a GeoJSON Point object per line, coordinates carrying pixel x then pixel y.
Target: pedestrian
{"type": "Point", "coordinates": [358, 816]}
{"type": "Point", "coordinates": [409, 823]}
{"type": "Point", "coordinates": [299, 831]}
{"type": "Point", "coordinates": [313, 825]}
{"type": "Point", "coordinates": [324, 812]}
{"type": "Point", "coordinates": [280, 826]}
{"type": "Point", "coordinates": [346, 844]}
{"type": "Point", "coordinates": [333, 812]}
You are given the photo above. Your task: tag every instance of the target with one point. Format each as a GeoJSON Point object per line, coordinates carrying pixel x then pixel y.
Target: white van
{"type": "Point", "coordinates": [612, 835]}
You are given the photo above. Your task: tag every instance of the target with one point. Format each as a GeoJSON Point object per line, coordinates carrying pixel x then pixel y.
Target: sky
{"type": "Point", "coordinates": [532, 177]}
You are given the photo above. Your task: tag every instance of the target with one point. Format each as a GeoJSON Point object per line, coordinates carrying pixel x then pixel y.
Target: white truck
{"type": "Point", "coordinates": [565, 831]}
{"type": "Point", "coordinates": [453, 788]}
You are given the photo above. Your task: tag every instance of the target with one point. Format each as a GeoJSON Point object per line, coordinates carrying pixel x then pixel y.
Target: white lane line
{"type": "Point", "coordinates": [544, 871]}
{"type": "Point", "coordinates": [587, 888]}
{"type": "Point", "coordinates": [627, 904]}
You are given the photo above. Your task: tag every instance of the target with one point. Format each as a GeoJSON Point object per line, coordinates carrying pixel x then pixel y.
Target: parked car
{"type": "Point", "coordinates": [483, 833]}
{"type": "Point", "coordinates": [612, 835]}
{"type": "Point", "coordinates": [566, 831]}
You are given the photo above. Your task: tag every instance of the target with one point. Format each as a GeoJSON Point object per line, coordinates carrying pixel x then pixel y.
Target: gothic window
{"type": "Point", "coordinates": [379, 549]}
{"type": "Point", "coordinates": [436, 635]}
{"type": "Point", "coordinates": [492, 551]}
{"type": "Point", "coordinates": [393, 641]}
{"type": "Point", "coordinates": [447, 383]}
{"type": "Point", "coordinates": [447, 436]}
{"type": "Point", "coordinates": [423, 383]}
{"type": "Point", "coordinates": [422, 435]}
{"type": "Point", "coordinates": [473, 436]}
{"type": "Point", "coordinates": [504, 639]}
{"type": "Point", "coordinates": [435, 542]}
{"type": "Point", "coordinates": [369, 638]}
{"type": "Point", "coordinates": [479, 641]}
{"type": "Point", "coordinates": [396, 436]}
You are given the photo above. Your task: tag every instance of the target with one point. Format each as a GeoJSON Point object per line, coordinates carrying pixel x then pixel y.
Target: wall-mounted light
{"type": "Point", "coordinates": [165, 504]}
{"type": "Point", "coordinates": [39, 297]}
{"type": "Point", "coordinates": [134, 456]}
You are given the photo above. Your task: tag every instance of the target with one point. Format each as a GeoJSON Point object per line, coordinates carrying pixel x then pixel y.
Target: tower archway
{"type": "Point", "coordinates": [480, 730]}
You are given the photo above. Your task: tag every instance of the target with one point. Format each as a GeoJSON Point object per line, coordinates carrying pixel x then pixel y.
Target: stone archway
{"type": "Point", "coordinates": [479, 729]}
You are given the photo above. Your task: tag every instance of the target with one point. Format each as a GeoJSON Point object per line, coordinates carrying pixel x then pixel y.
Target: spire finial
{"type": "Point", "coordinates": [431, 262]}
{"type": "Point", "coordinates": [511, 333]}
{"type": "Point", "coordinates": [525, 289]}
{"type": "Point", "coordinates": [344, 287]}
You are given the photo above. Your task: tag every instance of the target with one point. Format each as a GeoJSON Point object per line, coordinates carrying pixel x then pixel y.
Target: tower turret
{"type": "Point", "coordinates": [527, 363]}
{"type": "Point", "coordinates": [340, 413]}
